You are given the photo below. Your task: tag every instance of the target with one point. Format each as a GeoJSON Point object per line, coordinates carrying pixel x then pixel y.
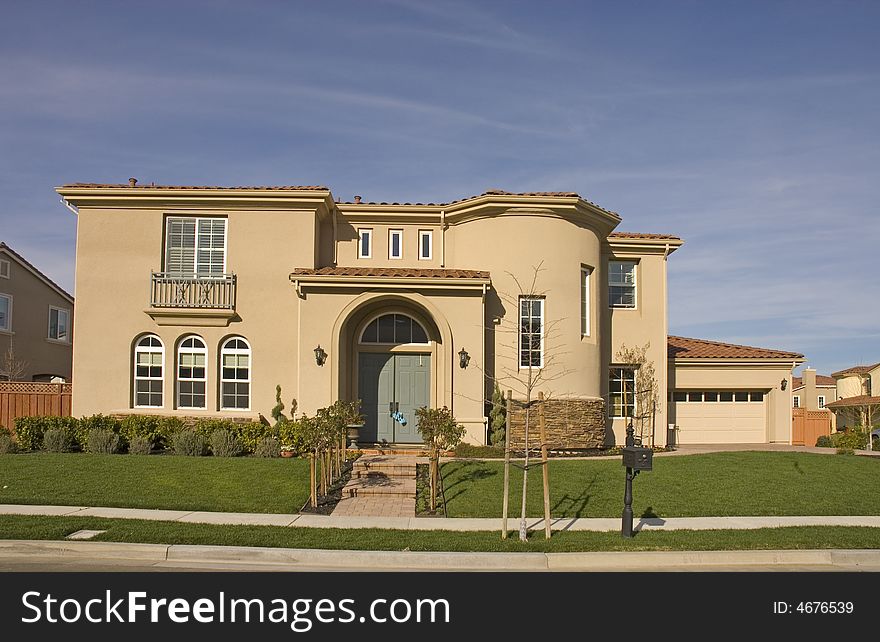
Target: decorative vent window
{"type": "Point", "coordinates": [531, 333]}
{"type": "Point", "coordinates": [4, 269]}
{"type": "Point", "coordinates": [622, 284]}
{"type": "Point", "coordinates": [394, 329]}
{"type": "Point", "coordinates": [195, 246]}
{"type": "Point", "coordinates": [621, 389]}
{"type": "Point", "coordinates": [149, 362]}
{"type": "Point", "coordinates": [192, 374]}
{"type": "Point", "coordinates": [59, 324]}
{"type": "Point", "coordinates": [365, 243]}
{"type": "Point", "coordinates": [425, 245]}
{"type": "Point", "coordinates": [395, 244]}
{"type": "Point", "coordinates": [235, 375]}
{"type": "Point", "coordinates": [821, 401]}
{"type": "Point", "coordinates": [5, 312]}
{"type": "Point", "coordinates": [585, 301]}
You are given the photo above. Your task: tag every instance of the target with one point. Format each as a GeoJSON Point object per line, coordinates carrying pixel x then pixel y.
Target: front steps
{"type": "Point", "coordinates": [380, 485]}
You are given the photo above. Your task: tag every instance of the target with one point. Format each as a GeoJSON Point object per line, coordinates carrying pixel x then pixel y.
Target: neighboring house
{"type": "Point", "coordinates": [858, 396]}
{"type": "Point", "coordinates": [200, 300]}
{"type": "Point", "coordinates": [36, 322]}
{"type": "Point", "coordinates": [812, 391]}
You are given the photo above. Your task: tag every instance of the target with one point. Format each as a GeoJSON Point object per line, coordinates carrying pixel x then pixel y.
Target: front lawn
{"type": "Point", "coordinates": [18, 527]}
{"type": "Point", "coordinates": [229, 484]}
{"type": "Point", "coordinates": [732, 483]}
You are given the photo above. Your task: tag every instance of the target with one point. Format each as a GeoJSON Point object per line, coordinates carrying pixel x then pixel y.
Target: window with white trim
{"type": "Point", "coordinates": [394, 329]}
{"type": "Point", "coordinates": [621, 391]}
{"type": "Point", "coordinates": [585, 301]}
{"type": "Point", "coordinates": [622, 284]}
{"type": "Point", "coordinates": [4, 269]}
{"type": "Point", "coordinates": [395, 244]}
{"type": "Point", "coordinates": [59, 324]}
{"type": "Point", "coordinates": [149, 363]}
{"type": "Point", "coordinates": [235, 375]}
{"type": "Point", "coordinates": [195, 246]}
{"type": "Point", "coordinates": [796, 401]}
{"type": "Point", "coordinates": [821, 401]}
{"type": "Point", "coordinates": [365, 243]}
{"type": "Point", "coordinates": [531, 332]}
{"type": "Point", "coordinates": [5, 312]}
{"type": "Point", "coordinates": [192, 379]}
{"type": "Point", "coordinates": [425, 245]}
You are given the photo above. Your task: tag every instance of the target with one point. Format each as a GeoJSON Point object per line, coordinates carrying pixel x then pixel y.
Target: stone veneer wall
{"type": "Point", "coordinates": [570, 424]}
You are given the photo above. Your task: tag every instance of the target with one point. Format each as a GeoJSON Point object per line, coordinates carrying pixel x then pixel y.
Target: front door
{"type": "Point", "coordinates": [391, 387]}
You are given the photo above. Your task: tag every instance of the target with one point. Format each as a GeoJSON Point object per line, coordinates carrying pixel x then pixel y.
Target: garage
{"type": "Point", "coordinates": [719, 416]}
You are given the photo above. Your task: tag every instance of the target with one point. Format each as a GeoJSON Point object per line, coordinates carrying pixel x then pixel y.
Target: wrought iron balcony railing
{"type": "Point", "coordinates": [215, 291]}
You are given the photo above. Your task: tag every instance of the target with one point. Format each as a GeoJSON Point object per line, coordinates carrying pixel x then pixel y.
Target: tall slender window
{"type": "Point", "coordinates": [621, 389]}
{"type": "Point", "coordinates": [195, 246]}
{"type": "Point", "coordinates": [149, 364]}
{"type": "Point", "coordinates": [235, 375]}
{"type": "Point", "coordinates": [395, 244]}
{"type": "Point", "coordinates": [622, 284]}
{"type": "Point", "coordinates": [531, 333]}
{"type": "Point", "coordinates": [365, 243]}
{"type": "Point", "coordinates": [192, 380]}
{"type": "Point", "coordinates": [425, 245]}
{"type": "Point", "coordinates": [585, 301]}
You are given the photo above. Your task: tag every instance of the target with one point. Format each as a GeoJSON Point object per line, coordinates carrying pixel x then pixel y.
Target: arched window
{"type": "Point", "coordinates": [235, 375]}
{"type": "Point", "coordinates": [192, 379]}
{"type": "Point", "coordinates": [149, 364]}
{"type": "Point", "coordinates": [394, 329]}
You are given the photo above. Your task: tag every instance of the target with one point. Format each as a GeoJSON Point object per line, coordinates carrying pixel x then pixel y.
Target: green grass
{"type": "Point", "coordinates": [240, 484]}
{"type": "Point", "coordinates": [18, 527]}
{"type": "Point", "coordinates": [733, 483]}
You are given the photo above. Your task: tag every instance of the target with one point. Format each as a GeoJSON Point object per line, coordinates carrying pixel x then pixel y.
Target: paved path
{"type": "Point", "coordinates": [380, 486]}
{"type": "Point", "coordinates": [441, 523]}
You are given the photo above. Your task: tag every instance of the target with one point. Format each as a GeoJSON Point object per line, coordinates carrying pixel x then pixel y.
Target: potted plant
{"type": "Point", "coordinates": [287, 451]}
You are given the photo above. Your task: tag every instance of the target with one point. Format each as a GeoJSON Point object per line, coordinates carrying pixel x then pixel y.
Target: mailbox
{"type": "Point", "coordinates": [638, 458]}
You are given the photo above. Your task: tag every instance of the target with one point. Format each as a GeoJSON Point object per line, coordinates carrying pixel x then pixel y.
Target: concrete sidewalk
{"type": "Point", "coordinates": [440, 523]}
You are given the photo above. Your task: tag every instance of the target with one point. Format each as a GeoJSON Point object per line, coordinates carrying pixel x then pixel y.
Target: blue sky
{"type": "Point", "coordinates": [749, 129]}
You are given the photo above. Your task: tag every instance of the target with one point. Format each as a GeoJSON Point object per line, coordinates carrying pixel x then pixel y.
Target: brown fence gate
{"type": "Point", "coordinates": [26, 399]}
{"type": "Point", "coordinates": [808, 425]}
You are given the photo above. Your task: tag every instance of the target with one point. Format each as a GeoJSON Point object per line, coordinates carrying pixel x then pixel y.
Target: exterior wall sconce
{"type": "Point", "coordinates": [463, 358]}
{"type": "Point", "coordinates": [320, 355]}
{"type": "Point", "coordinates": [784, 384]}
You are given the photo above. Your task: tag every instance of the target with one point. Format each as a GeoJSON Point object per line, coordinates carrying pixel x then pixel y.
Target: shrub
{"type": "Point", "coordinates": [250, 434]}
{"type": "Point", "coordinates": [85, 425]}
{"type": "Point", "coordinates": [225, 444]}
{"type": "Point", "coordinates": [824, 441]}
{"type": "Point", "coordinates": [189, 442]}
{"type": "Point", "coordinates": [850, 440]}
{"type": "Point", "coordinates": [7, 443]}
{"type": "Point", "coordinates": [29, 431]}
{"type": "Point", "coordinates": [140, 446]}
{"type": "Point", "coordinates": [166, 430]}
{"type": "Point", "coordinates": [146, 426]}
{"type": "Point", "coordinates": [58, 440]}
{"type": "Point", "coordinates": [875, 444]}
{"type": "Point", "coordinates": [268, 447]}
{"type": "Point", "coordinates": [102, 441]}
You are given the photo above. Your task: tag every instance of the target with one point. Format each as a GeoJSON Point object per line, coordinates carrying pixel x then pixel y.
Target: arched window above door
{"type": "Point", "coordinates": [394, 329]}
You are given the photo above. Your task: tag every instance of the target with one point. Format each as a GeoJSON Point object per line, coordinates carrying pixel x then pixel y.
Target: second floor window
{"type": "Point", "coordinates": [5, 311]}
{"type": "Point", "coordinates": [425, 242]}
{"type": "Point", "coordinates": [585, 301]}
{"type": "Point", "coordinates": [796, 401]}
{"type": "Point", "coordinates": [365, 243]}
{"type": "Point", "coordinates": [821, 401]}
{"type": "Point", "coordinates": [4, 269]}
{"type": "Point", "coordinates": [531, 333]}
{"type": "Point", "coordinates": [622, 284]}
{"type": "Point", "coordinates": [59, 324]}
{"type": "Point", "coordinates": [195, 246]}
{"type": "Point", "coordinates": [395, 244]}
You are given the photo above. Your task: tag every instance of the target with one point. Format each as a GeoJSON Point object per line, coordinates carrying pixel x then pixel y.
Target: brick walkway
{"type": "Point", "coordinates": [380, 486]}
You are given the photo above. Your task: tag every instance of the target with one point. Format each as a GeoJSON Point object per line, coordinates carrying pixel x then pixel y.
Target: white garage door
{"type": "Point", "coordinates": [720, 417]}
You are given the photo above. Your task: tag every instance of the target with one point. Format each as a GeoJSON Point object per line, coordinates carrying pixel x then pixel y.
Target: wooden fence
{"type": "Point", "coordinates": [808, 425]}
{"type": "Point", "coordinates": [26, 399]}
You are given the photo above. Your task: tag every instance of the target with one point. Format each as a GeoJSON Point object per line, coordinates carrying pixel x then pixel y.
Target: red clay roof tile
{"type": "Point", "coordinates": [685, 348]}
{"type": "Point", "coordinates": [854, 370]}
{"type": "Point", "coordinates": [421, 273]}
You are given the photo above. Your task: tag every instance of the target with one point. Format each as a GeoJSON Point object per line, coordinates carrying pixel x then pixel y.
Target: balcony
{"type": "Point", "coordinates": [192, 299]}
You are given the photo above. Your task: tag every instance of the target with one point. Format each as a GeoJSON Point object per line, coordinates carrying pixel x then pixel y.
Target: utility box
{"type": "Point", "coordinates": [638, 457]}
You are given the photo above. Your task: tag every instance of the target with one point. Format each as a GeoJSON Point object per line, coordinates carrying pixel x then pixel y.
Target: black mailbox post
{"type": "Point", "coordinates": [635, 460]}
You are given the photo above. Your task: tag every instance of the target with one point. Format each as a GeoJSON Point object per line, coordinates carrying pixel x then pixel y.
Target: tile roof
{"type": "Point", "coordinates": [420, 273]}
{"type": "Point", "coordinates": [489, 192]}
{"type": "Point", "coordinates": [821, 380]}
{"type": "Point", "coordinates": [32, 267]}
{"type": "Point", "coordinates": [151, 186]}
{"type": "Point", "coordinates": [685, 348]}
{"type": "Point", "coordinates": [861, 400]}
{"type": "Point", "coordinates": [854, 370]}
{"type": "Point", "coordinates": [642, 235]}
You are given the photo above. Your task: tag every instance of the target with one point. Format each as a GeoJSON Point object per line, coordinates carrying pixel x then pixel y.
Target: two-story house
{"type": "Point", "coordinates": [36, 322]}
{"type": "Point", "coordinates": [858, 396]}
{"type": "Point", "coordinates": [200, 300]}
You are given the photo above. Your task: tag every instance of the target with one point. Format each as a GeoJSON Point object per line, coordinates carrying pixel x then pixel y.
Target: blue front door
{"type": "Point", "coordinates": [391, 387]}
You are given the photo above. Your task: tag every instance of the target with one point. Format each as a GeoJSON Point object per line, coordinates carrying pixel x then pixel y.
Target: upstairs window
{"type": "Point", "coordinates": [4, 269]}
{"type": "Point", "coordinates": [365, 243]}
{"type": "Point", "coordinates": [621, 392]}
{"type": "Point", "coordinates": [59, 324]}
{"type": "Point", "coordinates": [821, 401]}
{"type": "Point", "coordinates": [149, 362]}
{"type": "Point", "coordinates": [425, 245]}
{"type": "Point", "coordinates": [192, 379]}
{"type": "Point", "coordinates": [235, 375]}
{"type": "Point", "coordinates": [531, 333]}
{"type": "Point", "coordinates": [585, 301]}
{"type": "Point", "coordinates": [796, 401]}
{"type": "Point", "coordinates": [195, 246]}
{"type": "Point", "coordinates": [622, 284]}
{"type": "Point", "coordinates": [5, 312]}
{"type": "Point", "coordinates": [395, 244]}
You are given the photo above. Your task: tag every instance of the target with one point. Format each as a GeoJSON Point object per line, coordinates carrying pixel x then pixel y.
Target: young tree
{"type": "Point", "coordinates": [647, 389]}
{"type": "Point", "coordinates": [440, 432]}
{"type": "Point", "coordinates": [497, 417]}
{"type": "Point", "coordinates": [12, 368]}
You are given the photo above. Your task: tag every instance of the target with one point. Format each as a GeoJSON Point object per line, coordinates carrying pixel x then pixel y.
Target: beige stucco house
{"type": "Point", "coordinates": [36, 322]}
{"type": "Point", "coordinates": [200, 300]}
{"type": "Point", "coordinates": [857, 389]}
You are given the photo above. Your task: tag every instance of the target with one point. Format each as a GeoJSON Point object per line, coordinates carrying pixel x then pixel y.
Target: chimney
{"type": "Point", "coordinates": [810, 398]}
{"type": "Point", "coordinates": [132, 182]}
{"type": "Point", "coordinates": [357, 199]}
